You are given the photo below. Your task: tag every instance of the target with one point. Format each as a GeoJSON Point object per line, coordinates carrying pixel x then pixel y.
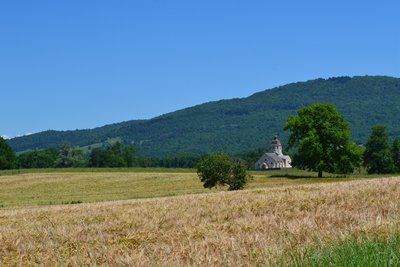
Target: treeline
{"type": "Point", "coordinates": [112, 156]}
{"type": "Point", "coordinates": [379, 156]}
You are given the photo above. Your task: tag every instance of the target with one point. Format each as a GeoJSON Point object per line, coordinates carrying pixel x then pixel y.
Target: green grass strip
{"type": "Point", "coordinates": [353, 252]}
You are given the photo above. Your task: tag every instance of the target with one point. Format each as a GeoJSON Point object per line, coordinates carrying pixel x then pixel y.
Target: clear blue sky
{"type": "Point", "coordinates": [81, 64]}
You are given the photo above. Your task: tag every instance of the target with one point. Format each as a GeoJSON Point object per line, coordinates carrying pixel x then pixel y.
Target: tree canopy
{"type": "Point", "coordinates": [322, 138]}
{"type": "Point", "coordinates": [217, 169]}
{"type": "Point", "coordinates": [69, 157]}
{"type": "Point", "coordinates": [396, 154]}
{"type": "Point", "coordinates": [7, 156]}
{"type": "Point", "coordinates": [378, 155]}
{"type": "Point", "coordinates": [38, 159]}
{"type": "Point", "coordinates": [114, 155]}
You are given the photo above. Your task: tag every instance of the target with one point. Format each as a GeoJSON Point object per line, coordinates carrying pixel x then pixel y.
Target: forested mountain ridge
{"type": "Point", "coordinates": [239, 125]}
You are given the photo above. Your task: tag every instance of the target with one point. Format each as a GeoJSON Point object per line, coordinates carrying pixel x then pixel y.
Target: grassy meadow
{"type": "Point", "coordinates": [166, 218]}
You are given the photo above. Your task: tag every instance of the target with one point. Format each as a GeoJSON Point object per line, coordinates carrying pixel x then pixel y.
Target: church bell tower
{"type": "Point", "coordinates": [276, 146]}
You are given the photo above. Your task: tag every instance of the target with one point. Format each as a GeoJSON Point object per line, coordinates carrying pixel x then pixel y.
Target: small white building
{"type": "Point", "coordinates": [275, 159]}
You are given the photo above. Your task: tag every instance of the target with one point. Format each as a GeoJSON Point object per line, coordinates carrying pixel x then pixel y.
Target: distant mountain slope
{"type": "Point", "coordinates": [244, 124]}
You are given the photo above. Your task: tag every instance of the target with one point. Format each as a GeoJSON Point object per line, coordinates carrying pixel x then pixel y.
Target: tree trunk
{"type": "Point", "coordinates": [319, 174]}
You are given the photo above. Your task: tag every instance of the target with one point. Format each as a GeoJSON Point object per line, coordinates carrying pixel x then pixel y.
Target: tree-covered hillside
{"type": "Point", "coordinates": [239, 125]}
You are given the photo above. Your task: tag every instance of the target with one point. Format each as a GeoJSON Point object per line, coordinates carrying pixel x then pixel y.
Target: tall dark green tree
{"type": "Point", "coordinates": [378, 155]}
{"type": "Point", "coordinates": [99, 158]}
{"type": "Point", "coordinates": [396, 154]}
{"type": "Point", "coordinates": [7, 156]}
{"type": "Point", "coordinates": [322, 138]}
{"type": "Point", "coordinates": [116, 155]}
{"type": "Point", "coordinates": [129, 155]}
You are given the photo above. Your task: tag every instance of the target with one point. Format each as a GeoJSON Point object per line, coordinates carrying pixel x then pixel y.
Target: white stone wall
{"type": "Point", "coordinates": [267, 162]}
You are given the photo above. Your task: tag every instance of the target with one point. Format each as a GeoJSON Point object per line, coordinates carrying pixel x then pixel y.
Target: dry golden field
{"type": "Point", "coordinates": [246, 228]}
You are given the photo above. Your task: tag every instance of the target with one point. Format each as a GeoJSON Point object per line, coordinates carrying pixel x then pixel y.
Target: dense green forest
{"type": "Point", "coordinates": [240, 125]}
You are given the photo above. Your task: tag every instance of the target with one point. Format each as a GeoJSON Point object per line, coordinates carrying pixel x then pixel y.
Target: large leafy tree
{"type": "Point", "coordinates": [378, 155]}
{"type": "Point", "coordinates": [322, 138]}
{"type": "Point", "coordinates": [218, 169]}
{"type": "Point", "coordinates": [7, 156]}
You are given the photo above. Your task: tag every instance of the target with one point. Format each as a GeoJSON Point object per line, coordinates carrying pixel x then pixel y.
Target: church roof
{"type": "Point", "coordinates": [274, 157]}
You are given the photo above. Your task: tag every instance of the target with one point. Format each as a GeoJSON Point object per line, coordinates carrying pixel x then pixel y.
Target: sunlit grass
{"type": "Point", "coordinates": [38, 189]}
{"type": "Point", "coordinates": [61, 186]}
{"type": "Point", "coordinates": [354, 251]}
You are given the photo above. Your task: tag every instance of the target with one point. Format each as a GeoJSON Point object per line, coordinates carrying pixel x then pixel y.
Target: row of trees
{"type": "Point", "coordinates": [111, 156]}
{"type": "Point", "coordinates": [65, 157]}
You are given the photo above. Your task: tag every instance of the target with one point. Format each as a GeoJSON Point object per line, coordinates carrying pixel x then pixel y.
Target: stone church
{"type": "Point", "coordinates": [275, 159]}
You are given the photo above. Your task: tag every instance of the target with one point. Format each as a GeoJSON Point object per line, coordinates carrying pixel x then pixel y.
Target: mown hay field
{"type": "Point", "coordinates": [55, 187]}
{"type": "Point", "coordinates": [257, 226]}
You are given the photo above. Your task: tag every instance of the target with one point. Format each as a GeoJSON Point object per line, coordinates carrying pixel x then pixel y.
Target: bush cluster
{"type": "Point", "coordinates": [218, 169]}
